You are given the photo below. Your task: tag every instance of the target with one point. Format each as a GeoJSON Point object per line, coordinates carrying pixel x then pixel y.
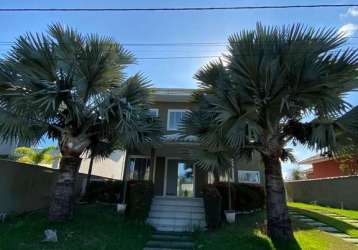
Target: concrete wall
{"type": "Point", "coordinates": [329, 191]}
{"type": "Point", "coordinates": [25, 187]}
{"type": "Point", "coordinates": [7, 148]}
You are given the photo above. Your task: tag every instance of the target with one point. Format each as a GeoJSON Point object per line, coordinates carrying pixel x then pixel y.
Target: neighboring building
{"type": "Point", "coordinates": [324, 167]}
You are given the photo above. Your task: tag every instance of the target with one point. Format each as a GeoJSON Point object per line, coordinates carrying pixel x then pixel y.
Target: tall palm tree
{"type": "Point", "coordinates": [276, 86]}
{"type": "Point", "coordinates": [72, 88]}
{"type": "Point", "coordinates": [35, 156]}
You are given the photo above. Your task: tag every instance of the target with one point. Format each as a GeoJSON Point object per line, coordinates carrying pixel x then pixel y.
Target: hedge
{"type": "Point", "coordinates": [212, 203]}
{"type": "Point", "coordinates": [139, 199]}
{"type": "Point", "coordinates": [104, 191]}
{"type": "Point", "coordinates": [244, 196]}
{"type": "Point", "coordinates": [249, 197]}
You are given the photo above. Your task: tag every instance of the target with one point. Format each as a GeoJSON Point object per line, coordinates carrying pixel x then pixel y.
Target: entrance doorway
{"type": "Point", "coordinates": [179, 178]}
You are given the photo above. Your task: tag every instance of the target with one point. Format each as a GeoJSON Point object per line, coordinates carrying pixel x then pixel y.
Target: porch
{"type": "Point", "coordinates": [170, 169]}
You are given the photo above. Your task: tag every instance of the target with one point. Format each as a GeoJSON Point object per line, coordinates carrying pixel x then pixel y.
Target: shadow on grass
{"type": "Point", "coordinates": [286, 245]}
{"type": "Point", "coordinates": [340, 225]}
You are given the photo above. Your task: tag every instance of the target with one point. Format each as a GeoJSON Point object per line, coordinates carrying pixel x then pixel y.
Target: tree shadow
{"type": "Point", "coordinates": [286, 245]}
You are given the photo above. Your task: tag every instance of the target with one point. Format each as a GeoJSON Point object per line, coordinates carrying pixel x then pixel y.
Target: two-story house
{"type": "Point", "coordinates": [178, 184]}
{"type": "Point", "coordinates": [169, 166]}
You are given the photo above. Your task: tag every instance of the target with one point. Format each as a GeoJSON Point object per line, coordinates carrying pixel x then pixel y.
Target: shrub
{"type": "Point", "coordinates": [104, 191]}
{"type": "Point", "coordinates": [213, 204]}
{"type": "Point", "coordinates": [249, 197]}
{"type": "Point", "coordinates": [139, 199]}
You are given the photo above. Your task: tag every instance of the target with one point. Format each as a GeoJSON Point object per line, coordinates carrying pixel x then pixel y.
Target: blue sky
{"type": "Point", "coordinates": [174, 27]}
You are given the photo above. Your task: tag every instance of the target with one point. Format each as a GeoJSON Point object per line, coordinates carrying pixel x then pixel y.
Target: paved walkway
{"type": "Point", "coordinates": [170, 240]}
{"type": "Point", "coordinates": [353, 222]}
{"type": "Point", "coordinates": [323, 227]}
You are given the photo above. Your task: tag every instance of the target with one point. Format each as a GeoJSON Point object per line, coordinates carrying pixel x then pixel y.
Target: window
{"type": "Point", "coordinates": [139, 168]}
{"type": "Point", "coordinates": [175, 116]}
{"type": "Point", "coordinates": [249, 176]}
{"type": "Point", "coordinates": [154, 112]}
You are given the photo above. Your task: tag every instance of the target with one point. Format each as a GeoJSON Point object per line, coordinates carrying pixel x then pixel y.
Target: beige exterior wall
{"type": "Point", "coordinates": [111, 167]}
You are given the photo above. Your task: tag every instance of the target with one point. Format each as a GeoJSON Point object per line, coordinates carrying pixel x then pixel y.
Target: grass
{"type": "Point", "coordinates": [247, 235]}
{"type": "Point", "coordinates": [310, 211]}
{"type": "Point", "coordinates": [95, 227]}
{"type": "Point", "coordinates": [353, 214]}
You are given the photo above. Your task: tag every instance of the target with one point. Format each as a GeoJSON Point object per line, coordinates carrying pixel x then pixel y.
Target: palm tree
{"type": "Point", "coordinates": [36, 156]}
{"type": "Point", "coordinates": [276, 86]}
{"type": "Point", "coordinates": [72, 88]}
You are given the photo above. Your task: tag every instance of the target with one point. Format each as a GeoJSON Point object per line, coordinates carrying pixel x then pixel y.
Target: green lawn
{"type": "Point", "coordinates": [348, 213]}
{"type": "Point", "coordinates": [314, 212]}
{"type": "Point", "coordinates": [94, 227]}
{"type": "Point", "coordinates": [98, 227]}
{"type": "Point", "coordinates": [247, 236]}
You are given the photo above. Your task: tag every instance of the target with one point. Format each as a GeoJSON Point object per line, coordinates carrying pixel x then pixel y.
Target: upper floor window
{"type": "Point", "coordinates": [154, 112]}
{"type": "Point", "coordinates": [175, 117]}
{"type": "Point", "coordinates": [246, 176]}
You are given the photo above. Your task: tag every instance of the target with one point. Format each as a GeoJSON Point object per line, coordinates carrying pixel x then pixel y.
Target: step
{"type": "Point", "coordinates": [168, 237]}
{"type": "Point", "coordinates": [177, 214]}
{"type": "Point", "coordinates": [156, 248]}
{"type": "Point", "coordinates": [171, 244]}
{"type": "Point", "coordinates": [170, 202]}
{"type": "Point", "coordinates": [175, 222]}
{"type": "Point", "coordinates": [193, 209]}
{"type": "Point", "coordinates": [174, 228]}
{"type": "Point", "coordinates": [328, 229]}
{"type": "Point", "coordinates": [351, 240]}
{"type": "Point", "coordinates": [316, 224]}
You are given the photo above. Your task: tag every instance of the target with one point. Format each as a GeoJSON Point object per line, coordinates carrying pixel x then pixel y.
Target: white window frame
{"type": "Point", "coordinates": [249, 172]}
{"type": "Point", "coordinates": [156, 111]}
{"type": "Point", "coordinates": [168, 117]}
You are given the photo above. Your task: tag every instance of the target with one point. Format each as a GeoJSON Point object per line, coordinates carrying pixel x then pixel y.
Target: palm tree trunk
{"type": "Point", "coordinates": [62, 204]}
{"type": "Point", "coordinates": [278, 221]}
{"type": "Point", "coordinates": [89, 173]}
{"type": "Point", "coordinates": [216, 176]}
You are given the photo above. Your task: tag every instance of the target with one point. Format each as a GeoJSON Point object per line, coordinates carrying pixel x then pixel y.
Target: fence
{"type": "Point", "coordinates": [334, 192]}
{"type": "Point", "coordinates": [25, 187]}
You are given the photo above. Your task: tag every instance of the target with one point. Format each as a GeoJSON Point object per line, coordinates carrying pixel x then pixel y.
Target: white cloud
{"type": "Point", "coordinates": [348, 29]}
{"type": "Point", "coordinates": [352, 11]}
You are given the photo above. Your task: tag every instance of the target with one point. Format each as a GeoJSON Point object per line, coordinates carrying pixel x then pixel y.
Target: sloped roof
{"type": "Point", "coordinates": [313, 159]}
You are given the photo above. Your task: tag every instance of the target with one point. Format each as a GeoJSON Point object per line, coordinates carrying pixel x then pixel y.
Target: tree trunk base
{"type": "Point", "coordinates": [278, 222]}
{"type": "Point", "coordinates": [62, 204]}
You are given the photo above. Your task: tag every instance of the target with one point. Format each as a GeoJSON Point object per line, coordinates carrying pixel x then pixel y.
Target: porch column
{"type": "Point", "coordinates": [152, 164]}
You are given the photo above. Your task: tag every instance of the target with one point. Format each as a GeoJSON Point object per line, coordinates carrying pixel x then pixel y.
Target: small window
{"type": "Point", "coordinates": [175, 117]}
{"type": "Point", "coordinates": [249, 176]}
{"type": "Point", "coordinates": [154, 112]}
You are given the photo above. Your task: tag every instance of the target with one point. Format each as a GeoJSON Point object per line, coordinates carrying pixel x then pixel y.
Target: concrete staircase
{"type": "Point", "coordinates": [174, 214]}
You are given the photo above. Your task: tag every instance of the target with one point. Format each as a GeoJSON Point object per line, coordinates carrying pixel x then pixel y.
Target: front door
{"type": "Point", "coordinates": [179, 178]}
